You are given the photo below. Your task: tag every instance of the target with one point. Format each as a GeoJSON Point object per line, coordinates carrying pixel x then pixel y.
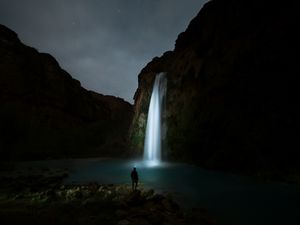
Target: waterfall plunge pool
{"type": "Point", "coordinates": [231, 199]}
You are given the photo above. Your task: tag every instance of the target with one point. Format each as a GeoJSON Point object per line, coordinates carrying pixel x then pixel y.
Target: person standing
{"type": "Point", "coordinates": [134, 179]}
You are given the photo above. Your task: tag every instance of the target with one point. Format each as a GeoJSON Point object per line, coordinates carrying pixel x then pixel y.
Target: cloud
{"type": "Point", "coordinates": [104, 44]}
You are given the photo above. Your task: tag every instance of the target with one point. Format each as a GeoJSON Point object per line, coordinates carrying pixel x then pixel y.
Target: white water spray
{"type": "Point", "coordinates": [154, 130]}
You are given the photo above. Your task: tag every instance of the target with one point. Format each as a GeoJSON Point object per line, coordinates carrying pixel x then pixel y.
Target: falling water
{"type": "Point", "coordinates": [154, 130]}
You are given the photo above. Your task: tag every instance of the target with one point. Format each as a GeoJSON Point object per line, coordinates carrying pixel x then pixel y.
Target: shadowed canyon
{"type": "Point", "coordinates": [216, 117]}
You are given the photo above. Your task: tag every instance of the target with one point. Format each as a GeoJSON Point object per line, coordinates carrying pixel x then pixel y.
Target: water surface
{"type": "Point", "coordinates": [231, 199]}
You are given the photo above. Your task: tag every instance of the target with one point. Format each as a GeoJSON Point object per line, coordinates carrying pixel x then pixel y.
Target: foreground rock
{"type": "Point", "coordinates": [231, 98]}
{"type": "Point", "coordinates": [45, 113]}
{"type": "Point", "coordinates": [91, 204]}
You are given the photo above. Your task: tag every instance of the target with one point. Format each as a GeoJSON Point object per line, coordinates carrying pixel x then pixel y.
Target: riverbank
{"type": "Point", "coordinates": [230, 199]}
{"type": "Point", "coordinates": [43, 199]}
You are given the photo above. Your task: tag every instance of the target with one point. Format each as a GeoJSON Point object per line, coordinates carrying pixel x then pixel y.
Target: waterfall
{"type": "Point", "coordinates": [155, 127]}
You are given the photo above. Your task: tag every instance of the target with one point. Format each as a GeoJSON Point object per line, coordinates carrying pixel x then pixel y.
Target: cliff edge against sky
{"type": "Point", "coordinates": [232, 87]}
{"type": "Point", "coordinates": [45, 113]}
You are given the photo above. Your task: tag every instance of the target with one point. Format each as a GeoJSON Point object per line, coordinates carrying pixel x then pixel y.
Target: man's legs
{"type": "Point", "coordinates": [136, 184]}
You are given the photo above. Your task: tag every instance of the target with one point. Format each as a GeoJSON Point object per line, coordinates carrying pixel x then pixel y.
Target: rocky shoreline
{"type": "Point", "coordinates": [37, 199]}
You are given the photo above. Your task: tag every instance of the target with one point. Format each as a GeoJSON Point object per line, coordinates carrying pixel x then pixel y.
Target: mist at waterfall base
{"type": "Point", "coordinates": [155, 129]}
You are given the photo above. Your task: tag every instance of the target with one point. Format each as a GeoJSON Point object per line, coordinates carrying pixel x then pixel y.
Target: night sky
{"type": "Point", "coordinates": [102, 43]}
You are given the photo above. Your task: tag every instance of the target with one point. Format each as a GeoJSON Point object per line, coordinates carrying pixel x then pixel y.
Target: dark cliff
{"type": "Point", "coordinates": [45, 113]}
{"type": "Point", "coordinates": [232, 87]}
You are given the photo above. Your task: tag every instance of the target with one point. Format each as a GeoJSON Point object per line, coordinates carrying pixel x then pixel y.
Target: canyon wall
{"type": "Point", "coordinates": [45, 113]}
{"type": "Point", "coordinates": [232, 87]}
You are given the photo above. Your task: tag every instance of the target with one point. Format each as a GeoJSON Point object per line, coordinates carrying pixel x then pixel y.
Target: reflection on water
{"type": "Point", "coordinates": [232, 199]}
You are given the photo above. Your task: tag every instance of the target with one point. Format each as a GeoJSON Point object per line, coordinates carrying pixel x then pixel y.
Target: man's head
{"type": "Point", "coordinates": [134, 168]}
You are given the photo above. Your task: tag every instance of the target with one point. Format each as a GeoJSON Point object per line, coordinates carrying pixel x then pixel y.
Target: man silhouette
{"type": "Point", "coordinates": [134, 178]}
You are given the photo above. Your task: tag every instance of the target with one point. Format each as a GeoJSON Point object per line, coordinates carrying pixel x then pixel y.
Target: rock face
{"type": "Point", "coordinates": [44, 112]}
{"type": "Point", "coordinates": [232, 87]}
